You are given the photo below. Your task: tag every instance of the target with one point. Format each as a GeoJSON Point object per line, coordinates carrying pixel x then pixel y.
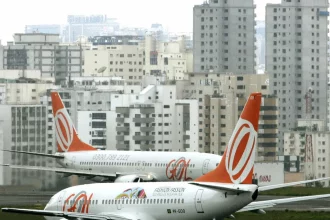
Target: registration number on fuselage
{"type": "Point", "coordinates": [110, 157]}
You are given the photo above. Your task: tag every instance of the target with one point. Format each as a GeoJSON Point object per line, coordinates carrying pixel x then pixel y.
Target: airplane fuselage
{"type": "Point", "coordinates": [160, 166]}
{"type": "Point", "coordinates": [160, 200]}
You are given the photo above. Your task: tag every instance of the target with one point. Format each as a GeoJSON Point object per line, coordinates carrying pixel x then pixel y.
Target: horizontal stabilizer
{"type": "Point", "coordinates": [227, 187]}
{"type": "Point", "coordinates": [277, 186]}
{"type": "Point", "coordinates": [36, 154]}
{"type": "Point", "coordinates": [271, 203]}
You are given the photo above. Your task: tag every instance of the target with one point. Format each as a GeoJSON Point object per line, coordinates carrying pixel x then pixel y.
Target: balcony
{"type": "Point", "coordinates": [147, 129]}
{"type": "Point", "coordinates": [122, 146]}
{"type": "Point", "coordinates": [122, 110]}
{"type": "Point", "coordinates": [145, 147]}
{"type": "Point", "coordinates": [122, 129]}
{"type": "Point", "coordinates": [143, 120]}
{"type": "Point", "coordinates": [186, 137]}
{"type": "Point", "coordinates": [120, 120]}
{"type": "Point", "coordinates": [120, 138]}
{"type": "Point", "coordinates": [144, 138]}
{"type": "Point", "coordinates": [147, 110]}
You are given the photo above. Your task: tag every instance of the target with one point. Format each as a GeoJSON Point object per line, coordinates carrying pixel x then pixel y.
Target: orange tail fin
{"type": "Point", "coordinates": [237, 162]}
{"type": "Point", "coordinates": [66, 135]}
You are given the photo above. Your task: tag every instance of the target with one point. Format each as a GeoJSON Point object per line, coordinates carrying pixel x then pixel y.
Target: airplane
{"type": "Point", "coordinates": [216, 195]}
{"type": "Point", "coordinates": [78, 158]}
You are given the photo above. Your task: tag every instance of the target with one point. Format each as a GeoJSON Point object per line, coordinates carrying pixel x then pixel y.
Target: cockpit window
{"type": "Point", "coordinates": [217, 164]}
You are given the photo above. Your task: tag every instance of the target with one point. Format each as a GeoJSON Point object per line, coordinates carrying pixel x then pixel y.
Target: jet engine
{"type": "Point", "coordinates": [255, 195]}
{"type": "Point", "coordinates": [128, 179]}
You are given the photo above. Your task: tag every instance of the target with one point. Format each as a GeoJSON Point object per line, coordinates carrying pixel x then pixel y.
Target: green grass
{"type": "Point", "coordinates": [297, 191]}
{"type": "Point", "coordinates": [283, 215]}
{"type": "Point", "coordinates": [270, 215]}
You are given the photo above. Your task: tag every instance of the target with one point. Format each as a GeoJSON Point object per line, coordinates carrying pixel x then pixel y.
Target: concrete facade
{"type": "Point", "coordinates": [43, 52]}
{"type": "Point", "coordinates": [224, 37]}
{"type": "Point", "coordinates": [297, 60]}
{"type": "Point", "coordinates": [221, 99]}
{"type": "Point", "coordinates": [25, 131]}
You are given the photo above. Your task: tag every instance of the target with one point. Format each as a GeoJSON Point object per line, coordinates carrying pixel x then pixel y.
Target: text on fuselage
{"type": "Point", "coordinates": [110, 157]}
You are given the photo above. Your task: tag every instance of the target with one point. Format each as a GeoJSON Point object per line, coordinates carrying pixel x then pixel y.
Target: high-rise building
{"type": "Point", "coordinates": [133, 57]}
{"type": "Point", "coordinates": [221, 99]}
{"type": "Point", "coordinates": [45, 53]}
{"type": "Point", "coordinates": [297, 60]}
{"type": "Point", "coordinates": [224, 37]}
{"type": "Point", "coordinates": [25, 131]}
{"type": "Point", "coordinates": [89, 26]}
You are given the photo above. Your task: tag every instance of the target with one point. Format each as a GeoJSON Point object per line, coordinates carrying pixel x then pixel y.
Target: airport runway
{"type": "Point", "coordinates": [43, 198]}
{"type": "Point", "coordinates": [311, 205]}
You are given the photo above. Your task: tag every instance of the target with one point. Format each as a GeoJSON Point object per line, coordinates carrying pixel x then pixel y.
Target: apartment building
{"type": "Point", "coordinates": [155, 120]}
{"type": "Point", "coordinates": [309, 141]}
{"type": "Point", "coordinates": [224, 37]}
{"type": "Point", "coordinates": [297, 60]}
{"type": "Point", "coordinates": [133, 57]}
{"type": "Point", "coordinates": [25, 131]}
{"type": "Point", "coordinates": [221, 99]}
{"type": "Point", "coordinates": [43, 52]}
{"type": "Point", "coordinates": [2, 173]}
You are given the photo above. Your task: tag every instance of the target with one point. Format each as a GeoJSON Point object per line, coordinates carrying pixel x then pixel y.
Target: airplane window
{"type": "Point", "coordinates": [182, 201]}
{"type": "Point", "coordinates": [116, 202]}
{"type": "Point", "coordinates": [92, 202]}
{"type": "Point", "coordinates": [144, 201]}
{"type": "Point", "coordinates": [174, 200]}
{"type": "Point", "coordinates": [161, 201]}
{"type": "Point", "coordinates": [157, 201]}
{"type": "Point", "coordinates": [154, 201]}
{"type": "Point", "coordinates": [168, 200]}
{"type": "Point", "coordinates": [193, 165]}
{"type": "Point", "coordinates": [147, 201]}
{"type": "Point", "coordinates": [96, 202]}
{"type": "Point", "coordinates": [133, 201]}
{"type": "Point", "coordinates": [130, 201]}
{"type": "Point", "coordinates": [102, 202]}
{"type": "Point", "coordinates": [126, 201]}
{"type": "Point", "coordinates": [171, 200]}
{"type": "Point", "coordinates": [112, 201]}
{"type": "Point", "coordinates": [178, 200]}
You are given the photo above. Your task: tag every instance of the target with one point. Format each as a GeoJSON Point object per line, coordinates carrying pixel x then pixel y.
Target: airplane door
{"type": "Point", "coordinates": [198, 201]}
{"type": "Point", "coordinates": [205, 166]}
{"type": "Point", "coordinates": [60, 201]}
{"type": "Point", "coordinates": [73, 161]}
{"type": "Point", "coordinates": [119, 204]}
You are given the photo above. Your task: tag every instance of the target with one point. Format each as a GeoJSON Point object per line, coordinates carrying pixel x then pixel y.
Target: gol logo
{"type": "Point", "coordinates": [177, 169]}
{"type": "Point", "coordinates": [245, 164]}
{"type": "Point", "coordinates": [77, 203]}
{"type": "Point", "coordinates": [64, 130]}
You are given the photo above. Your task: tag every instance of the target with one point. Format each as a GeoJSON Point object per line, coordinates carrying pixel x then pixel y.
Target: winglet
{"type": "Point", "coordinates": [237, 162]}
{"type": "Point", "coordinates": [66, 135]}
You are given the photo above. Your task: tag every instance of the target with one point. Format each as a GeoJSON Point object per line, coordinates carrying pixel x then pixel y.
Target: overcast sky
{"type": "Point", "coordinates": [175, 15]}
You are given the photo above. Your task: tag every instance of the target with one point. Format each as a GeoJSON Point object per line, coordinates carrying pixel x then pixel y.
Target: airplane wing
{"type": "Point", "coordinates": [67, 215]}
{"type": "Point", "coordinates": [277, 186]}
{"type": "Point", "coordinates": [88, 174]}
{"type": "Point", "coordinates": [35, 153]}
{"type": "Point", "coordinates": [258, 206]}
{"type": "Point", "coordinates": [65, 171]}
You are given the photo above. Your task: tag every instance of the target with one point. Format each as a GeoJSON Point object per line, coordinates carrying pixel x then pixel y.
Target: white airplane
{"type": "Point", "coordinates": [79, 158]}
{"type": "Point", "coordinates": [216, 195]}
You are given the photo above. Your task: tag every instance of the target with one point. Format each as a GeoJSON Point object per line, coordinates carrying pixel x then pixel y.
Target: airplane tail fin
{"type": "Point", "coordinates": [237, 162]}
{"type": "Point", "coordinates": [67, 139]}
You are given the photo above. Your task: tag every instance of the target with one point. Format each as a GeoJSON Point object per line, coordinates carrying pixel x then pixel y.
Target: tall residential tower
{"type": "Point", "coordinates": [224, 37]}
{"type": "Point", "coordinates": [297, 60]}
